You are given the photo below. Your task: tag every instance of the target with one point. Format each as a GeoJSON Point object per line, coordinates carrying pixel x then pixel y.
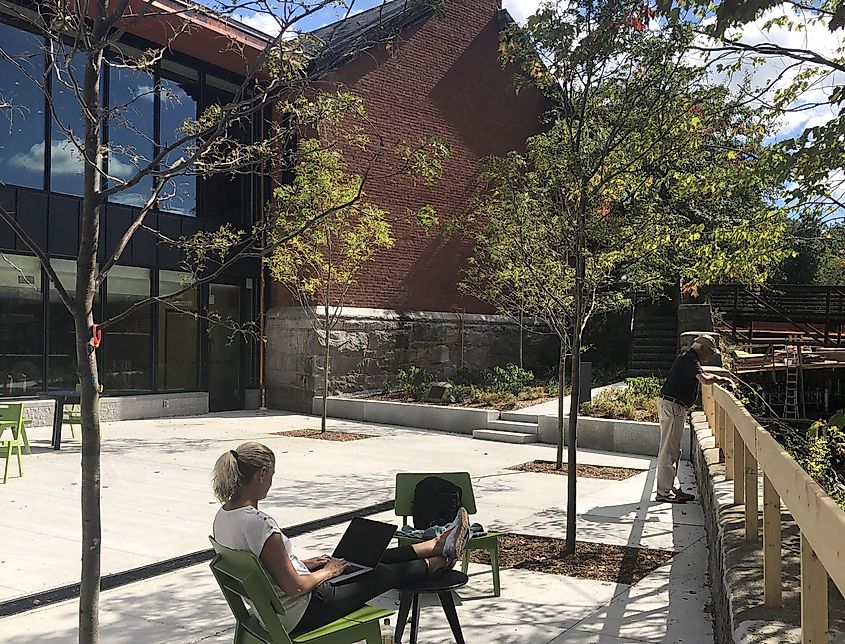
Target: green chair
{"type": "Point", "coordinates": [11, 417]}
{"type": "Point", "coordinates": [73, 416]}
{"type": "Point", "coordinates": [241, 576]}
{"type": "Point", "coordinates": [405, 484]}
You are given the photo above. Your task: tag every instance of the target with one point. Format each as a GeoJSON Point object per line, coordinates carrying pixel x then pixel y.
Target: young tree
{"type": "Point", "coordinates": [82, 41]}
{"type": "Point", "coordinates": [630, 123]}
{"type": "Point", "coordinates": [322, 264]}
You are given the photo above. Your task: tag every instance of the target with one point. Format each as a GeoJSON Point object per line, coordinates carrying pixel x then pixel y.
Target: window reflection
{"type": "Point", "coordinates": [127, 352]}
{"type": "Point", "coordinates": [177, 334]}
{"type": "Point", "coordinates": [68, 130]}
{"type": "Point", "coordinates": [61, 363]}
{"type": "Point", "coordinates": [21, 326]}
{"type": "Point", "coordinates": [21, 125]}
{"type": "Point", "coordinates": [179, 91]}
{"type": "Point", "coordinates": [131, 131]}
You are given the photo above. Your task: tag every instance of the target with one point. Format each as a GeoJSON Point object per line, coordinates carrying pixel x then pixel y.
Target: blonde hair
{"type": "Point", "coordinates": [236, 468]}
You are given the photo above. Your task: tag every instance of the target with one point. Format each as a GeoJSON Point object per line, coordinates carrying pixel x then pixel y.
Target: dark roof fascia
{"type": "Point", "coordinates": [335, 46]}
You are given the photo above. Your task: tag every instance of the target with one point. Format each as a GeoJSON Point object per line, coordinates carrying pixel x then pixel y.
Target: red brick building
{"type": "Point", "coordinates": [442, 77]}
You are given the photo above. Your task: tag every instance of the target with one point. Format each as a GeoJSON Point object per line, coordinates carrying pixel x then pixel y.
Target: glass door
{"type": "Point", "coordinates": [224, 348]}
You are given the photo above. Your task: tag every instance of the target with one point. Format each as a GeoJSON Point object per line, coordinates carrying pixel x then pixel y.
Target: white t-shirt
{"type": "Point", "coordinates": [248, 528]}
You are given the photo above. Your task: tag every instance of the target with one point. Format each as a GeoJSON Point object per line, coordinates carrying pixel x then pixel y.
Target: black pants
{"type": "Point", "coordinates": [398, 567]}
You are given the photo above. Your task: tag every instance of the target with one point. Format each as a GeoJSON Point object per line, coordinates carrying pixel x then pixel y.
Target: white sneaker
{"type": "Point", "coordinates": [457, 539]}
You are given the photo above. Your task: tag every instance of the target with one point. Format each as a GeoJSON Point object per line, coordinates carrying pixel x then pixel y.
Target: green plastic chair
{"type": "Point", "coordinates": [11, 417]}
{"type": "Point", "coordinates": [405, 484]}
{"type": "Point", "coordinates": [73, 415]}
{"type": "Point", "coordinates": [241, 576]}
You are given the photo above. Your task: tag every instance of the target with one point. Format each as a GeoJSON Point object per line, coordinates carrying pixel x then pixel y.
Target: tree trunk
{"type": "Point", "coordinates": [327, 331]}
{"type": "Point", "coordinates": [521, 316]}
{"type": "Point", "coordinates": [83, 317]}
{"type": "Point", "coordinates": [561, 393]}
{"type": "Point", "coordinates": [575, 381]}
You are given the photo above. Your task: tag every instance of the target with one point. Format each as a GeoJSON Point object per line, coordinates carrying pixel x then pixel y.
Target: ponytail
{"type": "Point", "coordinates": [236, 468]}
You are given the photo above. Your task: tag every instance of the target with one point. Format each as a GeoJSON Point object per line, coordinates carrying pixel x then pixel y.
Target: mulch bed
{"type": "Point", "coordinates": [599, 561]}
{"type": "Point", "coordinates": [585, 471]}
{"type": "Point", "coordinates": [325, 436]}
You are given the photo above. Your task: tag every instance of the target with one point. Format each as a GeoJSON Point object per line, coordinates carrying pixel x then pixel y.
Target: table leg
{"type": "Point", "coordinates": [58, 416]}
{"type": "Point", "coordinates": [415, 619]}
{"type": "Point", "coordinates": [448, 603]}
{"type": "Point", "coordinates": [402, 619]}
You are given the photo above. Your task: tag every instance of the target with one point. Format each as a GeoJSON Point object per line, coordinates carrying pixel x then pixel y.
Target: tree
{"type": "Point", "coordinates": [80, 42]}
{"type": "Point", "coordinates": [808, 77]}
{"type": "Point", "coordinates": [631, 124]}
{"type": "Point", "coordinates": [322, 264]}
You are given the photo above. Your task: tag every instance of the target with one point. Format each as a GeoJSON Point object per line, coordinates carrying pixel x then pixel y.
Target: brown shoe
{"type": "Point", "coordinates": [672, 497]}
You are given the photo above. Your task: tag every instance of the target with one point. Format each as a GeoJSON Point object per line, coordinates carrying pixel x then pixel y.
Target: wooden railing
{"type": "Point", "coordinates": [750, 450]}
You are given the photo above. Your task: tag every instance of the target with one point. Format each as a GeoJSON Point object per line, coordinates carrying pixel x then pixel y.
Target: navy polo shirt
{"type": "Point", "coordinates": [682, 381]}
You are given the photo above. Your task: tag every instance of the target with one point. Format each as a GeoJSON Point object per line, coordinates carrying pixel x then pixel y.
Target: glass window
{"type": "Point", "coordinates": [131, 131]}
{"type": "Point", "coordinates": [21, 125]}
{"type": "Point", "coordinates": [223, 193]}
{"type": "Point", "coordinates": [61, 364]}
{"type": "Point", "coordinates": [179, 91]}
{"type": "Point", "coordinates": [21, 325]}
{"type": "Point", "coordinates": [127, 350]}
{"type": "Point", "coordinates": [67, 136]}
{"type": "Point", "coordinates": [177, 334]}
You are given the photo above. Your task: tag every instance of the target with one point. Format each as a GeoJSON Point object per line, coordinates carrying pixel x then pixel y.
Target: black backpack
{"type": "Point", "coordinates": [436, 502]}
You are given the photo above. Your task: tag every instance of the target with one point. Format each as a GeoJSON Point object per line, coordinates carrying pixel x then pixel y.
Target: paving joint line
{"type": "Point", "coordinates": [52, 596]}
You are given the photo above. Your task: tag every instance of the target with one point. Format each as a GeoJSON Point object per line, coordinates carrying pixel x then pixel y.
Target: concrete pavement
{"type": "Point", "coordinates": [157, 504]}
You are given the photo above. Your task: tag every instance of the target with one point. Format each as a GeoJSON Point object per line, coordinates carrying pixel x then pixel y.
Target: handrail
{"type": "Point", "coordinates": [748, 448]}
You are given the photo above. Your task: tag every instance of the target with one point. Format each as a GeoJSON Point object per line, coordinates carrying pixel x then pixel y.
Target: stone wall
{"type": "Point", "coordinates": [736, 566]}
{"type": "Point", "coordinates": [369, 346]}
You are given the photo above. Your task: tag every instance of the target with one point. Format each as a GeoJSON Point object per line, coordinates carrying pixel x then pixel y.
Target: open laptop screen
{"type": "Point", "coordinates": [364, 541]}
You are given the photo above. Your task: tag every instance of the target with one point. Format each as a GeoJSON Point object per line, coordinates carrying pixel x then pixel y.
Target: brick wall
{"type": "Point", "coordinates": [443, 78]}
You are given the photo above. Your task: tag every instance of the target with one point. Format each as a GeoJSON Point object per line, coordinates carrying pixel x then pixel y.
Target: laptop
{"type": "Point", "coordinates": [362, 545]}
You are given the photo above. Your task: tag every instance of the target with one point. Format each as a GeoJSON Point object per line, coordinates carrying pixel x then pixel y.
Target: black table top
{"type": "Point", "coordinates": [438, 583]}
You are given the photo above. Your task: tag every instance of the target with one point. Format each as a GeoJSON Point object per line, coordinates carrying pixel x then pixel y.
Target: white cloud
{"type": "Point", "coordinates": [64, 158]}
{"type": "Point", "coordinates": [521, 9]}
{"type": "Point", "coordinates": [263, 22]}
{"type": "Point", "coordinates": [777, 70]}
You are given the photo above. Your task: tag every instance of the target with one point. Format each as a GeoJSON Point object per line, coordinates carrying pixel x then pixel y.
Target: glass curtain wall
{"type": "Point", "coordinates": [179, 90]}
{"type": "Point", "coordinates": [131, 126]}
{"type": "Point", "coordinates": [68, 129]}
{"type": "Point", "coordinates": [127, 351]}
{"type": "Point", "coordinates": [178, 339]}
{"type": "Point", "coordinates": [21, 125]}
{"type": "Point", "coordinates": [61, 339]}
{"type": "Point", "coordinates": [21, 324]}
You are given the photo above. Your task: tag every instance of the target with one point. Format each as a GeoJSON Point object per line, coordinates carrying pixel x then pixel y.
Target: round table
{"type": "Point", "coordinates": [409, 597]}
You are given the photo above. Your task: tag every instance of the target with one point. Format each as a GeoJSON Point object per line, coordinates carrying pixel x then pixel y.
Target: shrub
{"type": "Point", "coordinates": [510, 378]}
{"type": "Point", "coordinates": [472, 376]}
{"type": "Point", "coordinates": [414, 382]}
{"type": "Point", "coordinates": [637, 401]}
{"type": "Point", "coordinates": [823, 456]}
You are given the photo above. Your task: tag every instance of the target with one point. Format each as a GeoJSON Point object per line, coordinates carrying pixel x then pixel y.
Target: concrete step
{"type": "Point", "coordinates": [519, 417]}
{"type": "Point", "coordinates": [513, 426]}
{"type": "Point", "coordinates": [504, 437]}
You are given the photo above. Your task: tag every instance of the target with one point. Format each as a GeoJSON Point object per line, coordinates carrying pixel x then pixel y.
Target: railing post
{"type": "Point", "coordinates": [719, 430]}
{"type": "Point", "coordinates": [751, 505]}
{"type": "Point", "coordinates": [813, 596]}
{"type": "Point", "coordinates": [739, 468]}
{"type": "Point", "coordinates": [772, 536]}
{"type": "Point", "coordinates": [729, 449]}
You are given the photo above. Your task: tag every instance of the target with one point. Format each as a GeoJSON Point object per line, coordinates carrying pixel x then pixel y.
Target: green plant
{"type": "Point", "coordinates": [636, 401]}
{"type": "Point", "coordinates": [510, 378]}
{"type": "Point", "coordinates": [472, 376]}
{"type": "Point", "coordinates": [414, 382]}
{"type": "Point", "coordinates": [648, 386]}
{"type": "Point", "coordinates": [823, 456]}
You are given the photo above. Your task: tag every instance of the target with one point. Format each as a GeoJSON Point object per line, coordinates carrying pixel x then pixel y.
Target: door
{"type": "Point", "coordinates": [224, 348]}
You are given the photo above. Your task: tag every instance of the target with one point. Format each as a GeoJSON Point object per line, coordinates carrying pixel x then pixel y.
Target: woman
{"type": "Point", "coordinates": [243, 477]}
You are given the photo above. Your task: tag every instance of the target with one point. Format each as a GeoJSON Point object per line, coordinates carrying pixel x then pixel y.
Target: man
{"type": "Point", "coordinates": [676, 397]}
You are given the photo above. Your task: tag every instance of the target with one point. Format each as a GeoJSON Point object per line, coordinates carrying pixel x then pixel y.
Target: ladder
{"type": "Point", "coordinates": [793, 371]}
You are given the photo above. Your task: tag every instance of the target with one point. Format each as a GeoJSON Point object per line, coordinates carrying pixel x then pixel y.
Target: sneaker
{"type": "Point", "coordinates": [686, 496]}
{"type": "Point", "coordinates": [458, 536]}
{"type": "Point", "coordinates": [671, 497]}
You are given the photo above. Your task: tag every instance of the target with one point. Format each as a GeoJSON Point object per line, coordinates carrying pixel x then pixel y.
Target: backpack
{"type": "Point", "coordinates": [436, 502]}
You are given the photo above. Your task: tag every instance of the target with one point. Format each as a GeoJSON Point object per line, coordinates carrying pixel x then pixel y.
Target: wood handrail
{"type": "Point", "coordinates": [748, 448]}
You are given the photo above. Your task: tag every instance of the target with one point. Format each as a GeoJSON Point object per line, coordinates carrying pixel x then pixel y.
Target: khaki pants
{"type": "Point", "coordinates": [672, 418]}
